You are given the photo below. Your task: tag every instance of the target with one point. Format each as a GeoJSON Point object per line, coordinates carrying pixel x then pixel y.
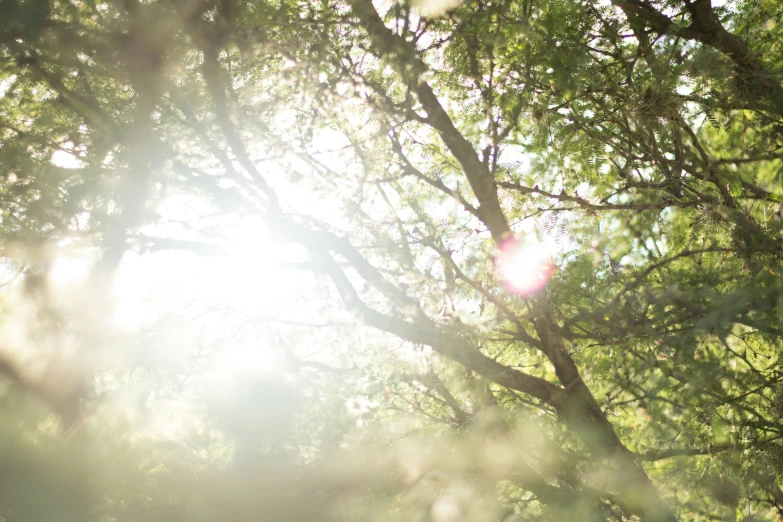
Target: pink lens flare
{"type": "Point", "coordinates": [524, 267]}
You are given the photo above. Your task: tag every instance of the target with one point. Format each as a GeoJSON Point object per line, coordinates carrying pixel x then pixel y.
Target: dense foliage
{"type": "Point", "coordinates": [530, 256]}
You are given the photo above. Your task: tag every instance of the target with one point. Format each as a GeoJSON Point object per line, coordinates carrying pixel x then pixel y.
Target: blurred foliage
{"type": "Point", "coordinates": [389, 154]}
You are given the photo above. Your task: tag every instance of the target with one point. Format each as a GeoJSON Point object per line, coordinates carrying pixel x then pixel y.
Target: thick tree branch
{"type": "Point", "coordinates": [654, 456]}
{"type": "Point", "coordinates": [575, 404]}
{"type": "Point", "coordinates": [587, 205]}
{"type": "Point", "coordinates": [448, 344]}
{"type": "Point", "coordinates": [409, 168]}
{"type": "Point", "coordinates": [401, 56]}
{"type": "Point", "coordinates": [707, 29]}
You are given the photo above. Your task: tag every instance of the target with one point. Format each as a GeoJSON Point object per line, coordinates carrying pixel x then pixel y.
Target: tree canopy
{"type": "Point", "coordinates": [430, 260]}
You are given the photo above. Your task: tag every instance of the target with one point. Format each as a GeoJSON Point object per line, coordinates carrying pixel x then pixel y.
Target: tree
{"type": "Point", "coordinates": [421, 159]}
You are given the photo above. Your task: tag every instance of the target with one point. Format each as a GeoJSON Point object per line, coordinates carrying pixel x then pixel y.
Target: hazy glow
{"type": "Point", "coordinates": [70, 270]}
{"type": "Point", "coordinates": [525, 267]}
{"type": "Point", "coordinates": [245, 275]}
{"type": "Point", "coordinates": [246, 357]}
{"type": "Point", "coordinates": [436, 8]}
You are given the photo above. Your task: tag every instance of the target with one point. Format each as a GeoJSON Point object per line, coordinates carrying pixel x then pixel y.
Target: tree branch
{"type": "Point", "coordinates": [705, 28]}
{"type": "Point", "coordinates": [401, 56]}
{"type": "Point", "coordinates": [427, 333]}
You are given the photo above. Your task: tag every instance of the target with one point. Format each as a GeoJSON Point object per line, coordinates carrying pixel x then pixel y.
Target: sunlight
{"type": "Point", "coordinates": [394, 260]}
{"type": "Point", "coordinates": [71, 270]}
{"type": "Point", "coordinates": [525, 266]}
{"type": "Point", "coordinates": [66, 160]}
{"type": "Point", "coordinates": [245, 275]}
{"type": "Point", "coordinates": [249, 356]}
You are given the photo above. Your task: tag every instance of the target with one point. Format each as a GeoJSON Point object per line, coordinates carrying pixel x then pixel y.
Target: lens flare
{"type": "Point", "coordinates": [524, 267]}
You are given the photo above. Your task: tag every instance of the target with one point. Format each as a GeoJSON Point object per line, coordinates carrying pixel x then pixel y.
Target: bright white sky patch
{"type": "Point", "coordinates": [436, 8]}
{"type": "Point", "coordinates": [248, 356]}
{"type": "Point", "coordinates": [6, 84]}
{"type": "Point", "coordinates": [66, 160]}
{"type": "Point", "coordinates": [247, 277]}
{"type": "Point", "coordinates": [70, 270]}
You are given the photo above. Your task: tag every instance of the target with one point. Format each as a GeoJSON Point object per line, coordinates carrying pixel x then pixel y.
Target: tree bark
{"type": "Point", "coordinates": [705, 28]}
{"type": "Point", "coordinates": [574, 404]}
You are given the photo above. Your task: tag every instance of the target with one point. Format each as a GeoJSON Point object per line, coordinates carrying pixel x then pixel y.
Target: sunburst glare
{"type": "Point", "coordinates": [525, 266]}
